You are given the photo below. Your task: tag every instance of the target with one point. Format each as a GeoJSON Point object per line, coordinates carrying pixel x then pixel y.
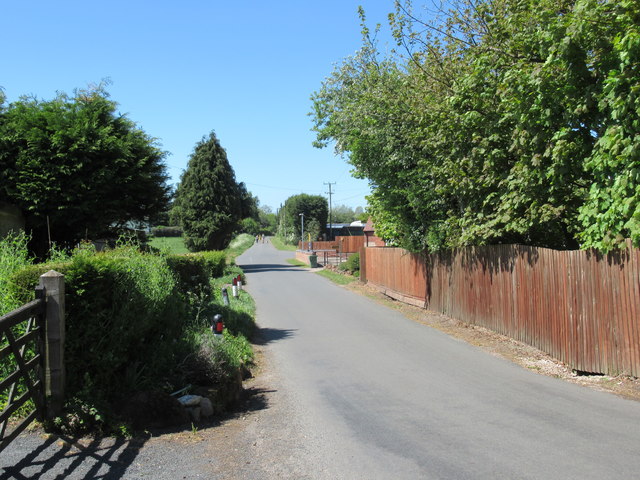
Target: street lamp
{"type": "Point", "coordinates": [302, 233]}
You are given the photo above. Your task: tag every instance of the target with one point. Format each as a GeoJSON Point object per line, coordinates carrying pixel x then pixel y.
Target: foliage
{"type": "Point", "coordinates": [345, 214]}
{"type": "Point", "coordinates": [197, 268]}
{"type": "Point", "coordinates": [335, 277]}
{"type": "Point", "coordinates": [131, 323]}
{"type": "Point", "coordinates": [281, 244]}
{"type": "Point", "coordinates": [210, 200]}
{"type": "Point", "coordinates": [238, 245]}
{"type": "Point", "coordinates": [13, 256]}
{"type": "Point", "coordinates": [250, 226]}
{"type": "Point", "coordinates": [315, 210]}
{"type": "Point", "coordinates": [77, 169]}
{"type": "Point", "coordinates": [502, 121]}
{"type": "Point", "coordinates": [351, 265]}
{"type": "Point", "coordinates": [268, 220]}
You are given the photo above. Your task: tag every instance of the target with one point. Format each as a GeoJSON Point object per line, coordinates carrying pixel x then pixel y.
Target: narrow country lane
{"type": "Point", "coordinates": [349, 389]}
{"type": "Point", "coordinates": [371, 394]}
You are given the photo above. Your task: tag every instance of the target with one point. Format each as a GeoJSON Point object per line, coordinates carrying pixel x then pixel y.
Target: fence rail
{"type": "Point", "coordinates": [579, 306]}
{"type": "Point", "coordinates": [351, 244]}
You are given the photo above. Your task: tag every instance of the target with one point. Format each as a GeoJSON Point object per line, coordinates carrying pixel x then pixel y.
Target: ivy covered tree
{"type": "Point", "coordinates": [210, 201]}
{"type": "Point", "coordinates": [501, 122]}
{"type": "Point", "coordinates": [78, 169]}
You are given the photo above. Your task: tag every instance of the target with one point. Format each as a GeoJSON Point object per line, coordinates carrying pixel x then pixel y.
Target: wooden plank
{"type": "Point", "coordinates": [17, 374]}
{"type": "Point", "coordinates": [19, 315]}
{"type": "Point", "coordinates": [20, 342]}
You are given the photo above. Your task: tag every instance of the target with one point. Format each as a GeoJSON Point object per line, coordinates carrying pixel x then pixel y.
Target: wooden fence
{"type": "Point", "coordinates": [31, 358]}
{"type": "Point", "coordinates": [579, 306]}
{"type": "Point", "coordinates": [351, 244]}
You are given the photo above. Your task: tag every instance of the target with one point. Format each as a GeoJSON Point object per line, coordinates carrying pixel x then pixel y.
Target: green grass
{"type": "Point", "coordinates": [280, 245]}
{"type": "Point", "coordinates": [238, 246]}
{"type": "Point", "coordinates": [337, 277]}
{"type": "Point", "coordinates": [297, 263]}
{"type": "Point", "coordinates": [174, 245]}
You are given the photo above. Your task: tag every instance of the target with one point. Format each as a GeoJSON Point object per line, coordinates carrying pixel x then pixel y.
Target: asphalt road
{"type": "Point", "coordinates": [350, 389]}
{"type": "Point", "coordinates": [375, 395]}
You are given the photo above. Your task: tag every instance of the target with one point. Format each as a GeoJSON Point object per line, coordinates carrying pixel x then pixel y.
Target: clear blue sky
{"type": "Point", "coordinates": [245, 69]}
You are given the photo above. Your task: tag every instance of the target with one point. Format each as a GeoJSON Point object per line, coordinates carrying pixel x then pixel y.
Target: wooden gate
{"type": "Point", "coordinates": [31, 342]}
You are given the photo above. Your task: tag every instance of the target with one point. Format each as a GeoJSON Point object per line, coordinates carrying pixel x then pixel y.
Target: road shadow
{"type": "Point", "coordinates": [267, 267]}
{"type": "Point", "coordinates": [68, 457]}
{"type": "Point", "coordinates": [38, 456]}
{"type": "Point", "coordinates": [264, 335]}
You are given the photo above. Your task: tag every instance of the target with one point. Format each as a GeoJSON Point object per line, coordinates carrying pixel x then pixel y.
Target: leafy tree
{"type": "Point", "coordinates": [342, 214]}
{"type": "Point", "coordinates": [250, 226]}
{"type": "Point", "coordinates": [315, 209]}
{"type": "Point", "coordinates": [78, 169]}
{"type": "Point", "coordinates": [504, 121]}
{"type": "Point", "coordinates": [211, 202]}
{"type": "Point", "coordinates": [268, 220]}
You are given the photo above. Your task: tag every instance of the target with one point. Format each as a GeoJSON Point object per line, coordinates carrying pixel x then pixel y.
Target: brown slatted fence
{"type": "Point", "coordinates": [579, 306]}
{"type": "Point", "coordinates": [343, 244]}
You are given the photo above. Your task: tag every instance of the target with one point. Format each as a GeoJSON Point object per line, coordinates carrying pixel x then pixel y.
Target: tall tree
{"type": "Point", "coordinates": [211, 202]}
{"type": "Point", "coordinates": [76, 168]}
{"type": "Point", "coordinates": [506, 121]}
{"type": "Point", "coordinates": [315, 210]}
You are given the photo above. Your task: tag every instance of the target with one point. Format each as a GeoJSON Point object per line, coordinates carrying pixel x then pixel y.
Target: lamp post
{"type": "Point", "coordinates": [302, 233]}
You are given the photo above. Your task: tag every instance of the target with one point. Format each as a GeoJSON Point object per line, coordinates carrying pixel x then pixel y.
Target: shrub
{"type": "Point", "coordinates": [132, 320]}
{"type": "Point", "coordinates": [352, 265]}
{"type": "Point", "coordinates": [13, 257]}
{"type": "Point", "coordinates": [193, 270]}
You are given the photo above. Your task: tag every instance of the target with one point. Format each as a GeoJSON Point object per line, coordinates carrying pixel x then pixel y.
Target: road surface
{"type": "Point", "coordinates": [375, 395]}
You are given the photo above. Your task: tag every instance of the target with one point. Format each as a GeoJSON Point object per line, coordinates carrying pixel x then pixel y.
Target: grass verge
{"type": "Point", "coordinates": [337, 278]}
{"type": "Point", "coordinates": [297, 263]}
{"type": "Point", "coordinates": [280, 245]}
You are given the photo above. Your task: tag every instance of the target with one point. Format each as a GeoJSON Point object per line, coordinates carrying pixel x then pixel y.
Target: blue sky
{"type": "Point", "coordinates": [245, 69]}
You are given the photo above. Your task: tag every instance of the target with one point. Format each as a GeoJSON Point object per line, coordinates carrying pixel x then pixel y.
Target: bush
{"type": "Point", "coordinates": [132, 320]}
{"type": "Point", "coordinates": [13, 257]}
{"type": "Point", "coordinates": [352, 265]}
{"type": "Point", "coordinates": [193, 270]}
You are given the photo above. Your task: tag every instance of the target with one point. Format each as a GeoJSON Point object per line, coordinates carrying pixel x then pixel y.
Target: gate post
{"type": "Point", "coordinates": [53, 283]}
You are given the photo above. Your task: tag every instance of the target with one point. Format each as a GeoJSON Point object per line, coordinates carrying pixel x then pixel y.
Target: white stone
{"type": "Point", "coordinates": [190, 400]}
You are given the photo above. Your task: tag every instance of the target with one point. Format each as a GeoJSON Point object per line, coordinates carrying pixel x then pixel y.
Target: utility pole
{"type": "Point", "coordinates": [330, 220]}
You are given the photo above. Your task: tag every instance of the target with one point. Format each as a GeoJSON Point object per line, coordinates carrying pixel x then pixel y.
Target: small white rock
{"type": "Point", "coordinates": [190, 400]}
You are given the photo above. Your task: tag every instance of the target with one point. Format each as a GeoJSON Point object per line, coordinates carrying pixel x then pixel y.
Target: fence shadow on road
{"type": "Point", "coordinates": [65, 457]}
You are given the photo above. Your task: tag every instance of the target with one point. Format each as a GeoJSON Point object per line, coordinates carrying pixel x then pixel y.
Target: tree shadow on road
{"type": "Point", "coordinates": [267, 267]}
{"type": "Point", "coordinates": [264, 336]}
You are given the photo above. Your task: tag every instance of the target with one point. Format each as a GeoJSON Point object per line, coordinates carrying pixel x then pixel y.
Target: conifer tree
{"type": "Point", "coordinates": [210, 199]}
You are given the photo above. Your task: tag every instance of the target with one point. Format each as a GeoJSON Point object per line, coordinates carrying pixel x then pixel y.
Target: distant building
{"type": "Point", "coordinates": [370, 236]}
{"type": "Point", "coordinates": [353, 229]}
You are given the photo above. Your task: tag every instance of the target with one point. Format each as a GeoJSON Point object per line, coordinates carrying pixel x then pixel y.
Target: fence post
{"type": "Point", "coordinates": [53, 283]}
{"type": "Point", "coordinates": [363, 264]}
